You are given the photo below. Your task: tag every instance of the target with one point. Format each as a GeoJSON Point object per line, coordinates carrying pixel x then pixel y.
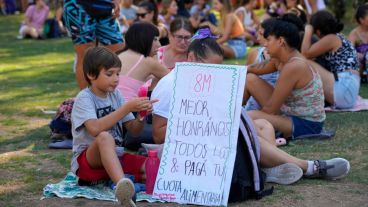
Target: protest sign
{"type": "Point", "coordinates": [200, 144]}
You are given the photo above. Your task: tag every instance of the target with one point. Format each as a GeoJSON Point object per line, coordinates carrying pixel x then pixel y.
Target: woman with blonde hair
{"type": "Point", "coordinates": [230, 29]}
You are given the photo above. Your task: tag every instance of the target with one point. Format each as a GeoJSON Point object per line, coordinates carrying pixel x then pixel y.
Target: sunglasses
{"type": "Point", "coordinates": [141, 15]}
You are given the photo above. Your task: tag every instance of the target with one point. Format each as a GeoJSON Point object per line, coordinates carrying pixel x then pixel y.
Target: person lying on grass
{"type": "Point", "coordinates": [98, 116]}
{"type": "Point", "coordinates": [280, 166]}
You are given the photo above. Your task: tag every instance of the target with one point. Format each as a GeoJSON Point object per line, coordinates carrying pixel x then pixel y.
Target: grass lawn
{"type": "Point", "coordinates": [37, 75]}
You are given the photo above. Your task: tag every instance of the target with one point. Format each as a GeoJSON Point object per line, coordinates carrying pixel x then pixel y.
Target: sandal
{"type": "Point", "coordinates": [280, 141]}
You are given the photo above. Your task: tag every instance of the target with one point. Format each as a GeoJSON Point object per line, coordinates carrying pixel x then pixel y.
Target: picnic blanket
{"type": "Point", "coordinates": [69, 188]}
{"type": "Point", "coordinates": [361, 105]}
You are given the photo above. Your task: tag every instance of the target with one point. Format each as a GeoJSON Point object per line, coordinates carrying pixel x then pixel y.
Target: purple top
{"type": "Point", "coordinates": [37, 17]}
{"type": "Point", "coordinates": [362, 48]}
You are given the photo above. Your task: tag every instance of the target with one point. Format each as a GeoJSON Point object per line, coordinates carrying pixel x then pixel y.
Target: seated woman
{"type": "Point", "coordinates": [169, 9]}
{"type": "Point", "coordinates": [359, 38]}
{"type": "Point", "coordinates": [138, 65]}
{"type": "Point", "coordinates": [147, 12]}
{"type": "Point", "coordinates": [200, 10]}
{"type": "Point", "coordinates": [59, 17]}
{"type": "Point", "coordinates": [35, 18]}
{"type": "Point", "coordinates": [206, 50]}
{"type": "Point", "coordinates": [294, 7]}
{"type": "Point", "coordinates": [295, 106]}
{"type": "Point", "coordinates": [341, 81]}
{"type": "Point", "coordinates": [180, 33]}
{"type": "Point", "coordinates": [231, 30]}
{"type": "Point", "coordinates": [258, 55]}
{"type": "Point", "coordinates": [249, 19]}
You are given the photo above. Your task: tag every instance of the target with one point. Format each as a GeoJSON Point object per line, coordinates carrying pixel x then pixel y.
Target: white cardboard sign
{"type": "Point", "coordinates": [200, 145]}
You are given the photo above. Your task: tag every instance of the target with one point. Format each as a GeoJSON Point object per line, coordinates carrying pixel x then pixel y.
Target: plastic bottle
{"type": "Point", "coordinates": [365, 70]}
{"type": "Point", "coordinates": [143, 92]}
{"type": "Point", "coordinates": [152, 165]}
{"type": "Point", "coordinates": [365, 61]}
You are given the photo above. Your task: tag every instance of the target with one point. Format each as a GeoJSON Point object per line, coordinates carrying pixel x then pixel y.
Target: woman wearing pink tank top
{"type": "Point", "coordinates": [138, 64]}
{"type": "Point", "coordinates": [180, 34]}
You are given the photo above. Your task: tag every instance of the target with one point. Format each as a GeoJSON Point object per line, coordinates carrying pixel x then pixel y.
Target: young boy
{"type": "Point", "coordinates": [98, 116]}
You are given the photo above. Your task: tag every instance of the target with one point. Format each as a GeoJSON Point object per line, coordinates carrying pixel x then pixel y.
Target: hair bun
{"type": "Point", "coordinates": [203, 33]}
{"type": "Point", "coordinates": [339, 26]}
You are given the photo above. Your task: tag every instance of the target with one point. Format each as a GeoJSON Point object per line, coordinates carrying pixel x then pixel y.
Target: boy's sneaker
{"type": "Point", "coordinates": [332, 169]}
{"type": "Point", "coordinates": [124, 192]}
{"type": "Point", "coordinates": [284, 174]}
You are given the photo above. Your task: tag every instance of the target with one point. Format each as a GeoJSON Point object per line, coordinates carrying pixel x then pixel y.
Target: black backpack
{"type": "Point", "coordinates": [248, 179]}
{"type": "Point", "coordinates": [61, 126]}
{"type": "Point", "coordinates": [51, 29]}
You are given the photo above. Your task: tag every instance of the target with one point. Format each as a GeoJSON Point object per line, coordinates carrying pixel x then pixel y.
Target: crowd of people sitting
{"type": "Point", "coordinates": [299, 67]}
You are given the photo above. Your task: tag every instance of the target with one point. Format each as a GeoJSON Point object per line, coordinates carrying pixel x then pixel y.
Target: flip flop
{"type": "Point", "coordinates": [280, 141]}
{"type": "Point", "coordinates": [325, 134]}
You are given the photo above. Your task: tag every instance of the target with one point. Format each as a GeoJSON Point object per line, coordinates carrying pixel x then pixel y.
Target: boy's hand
{"type": "Point", "coordinates": [140, 104]}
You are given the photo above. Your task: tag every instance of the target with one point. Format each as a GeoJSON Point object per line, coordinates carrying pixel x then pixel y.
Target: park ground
{"type": "Point", "coordinates": [37, 76]}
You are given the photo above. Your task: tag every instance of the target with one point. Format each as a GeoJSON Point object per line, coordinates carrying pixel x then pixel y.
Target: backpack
{"type": "Point", "coordinates": [51, 29]}
{"type": "Point", "coordinates": [61, 126]}
{"type": "Point", "coordinates": [248, 179]}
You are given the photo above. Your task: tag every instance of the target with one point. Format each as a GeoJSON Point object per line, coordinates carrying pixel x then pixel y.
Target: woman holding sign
{"type": "Point", "coordinates": [204, 49]}
{"type": "Point", "coordinates": [295, 106]}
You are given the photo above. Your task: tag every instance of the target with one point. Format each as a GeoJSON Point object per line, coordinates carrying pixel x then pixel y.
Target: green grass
{"type": "Point", "coordinates": [38, 75]}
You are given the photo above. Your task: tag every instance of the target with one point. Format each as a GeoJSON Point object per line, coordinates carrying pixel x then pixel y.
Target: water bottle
{"type": "Point", "coordinates": [152, 165]}
{"type": "Point", "coordinates": [143, 92]}
{"type": "Point", "coordinates": [364, 77]}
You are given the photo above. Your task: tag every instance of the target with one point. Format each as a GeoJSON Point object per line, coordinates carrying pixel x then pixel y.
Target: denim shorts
{"type": "Point", "coordinates": [305, 127]}
{"type": "Point", "coordinates": [346, 90]}
{"type": "Point", "coordinates": [238, 46]}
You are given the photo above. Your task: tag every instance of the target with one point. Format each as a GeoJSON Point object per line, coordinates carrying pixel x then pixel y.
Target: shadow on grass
{"type": "Point", "coordinates": [48, 85]}
{"type": "Point", "coordinates": [37, 138]}
{"type": "Point", "coordinates": [28, 48]}
{"type": "Point", "coordinates": [14, 48]}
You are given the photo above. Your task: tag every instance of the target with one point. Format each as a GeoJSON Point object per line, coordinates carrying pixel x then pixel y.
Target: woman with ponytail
{"type": "Point", "coordinates": [341, 81]}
